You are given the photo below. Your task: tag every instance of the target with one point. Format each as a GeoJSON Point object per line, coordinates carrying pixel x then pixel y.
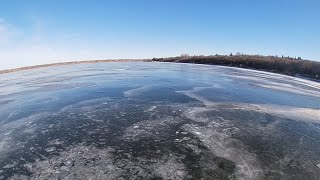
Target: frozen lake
{"type": "Point", "coordinates": [149, 120]}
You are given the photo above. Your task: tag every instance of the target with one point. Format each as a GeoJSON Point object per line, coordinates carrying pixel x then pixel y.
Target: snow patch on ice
{"type": "Point", "coordinates": [136, 91]}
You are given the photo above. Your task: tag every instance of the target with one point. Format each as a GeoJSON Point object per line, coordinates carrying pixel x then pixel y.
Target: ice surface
{"type": "Point", "coordinates": [158, 120]}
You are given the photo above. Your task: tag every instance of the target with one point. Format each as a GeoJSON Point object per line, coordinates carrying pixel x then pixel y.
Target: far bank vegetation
{"type": "Point", "coordinates": [293, 66]}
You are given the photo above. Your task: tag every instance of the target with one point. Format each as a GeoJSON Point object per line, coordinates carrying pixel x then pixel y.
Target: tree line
{"type": "Point", "coordinates": [284, 65]}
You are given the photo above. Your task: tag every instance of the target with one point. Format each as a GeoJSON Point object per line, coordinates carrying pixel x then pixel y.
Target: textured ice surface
{"type": "Point", "coordinates": [87, 162]}
{"type": "Point", "coordinates": [158, 121]}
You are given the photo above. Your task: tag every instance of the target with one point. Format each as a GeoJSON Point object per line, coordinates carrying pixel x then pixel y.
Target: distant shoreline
{"type": "Point", "coordinates": [282, 65]}
{"type": "Point", "coordinates": [70, 63]}
{"type": "Point", "coordinates": [295, 67]}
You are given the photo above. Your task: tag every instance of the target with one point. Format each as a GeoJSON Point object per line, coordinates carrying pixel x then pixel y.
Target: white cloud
{"type": "Point", "coordinates": [17, 50]}
{"type": "Point", "coordinates": [3, 31]}
{"type": "Point", "coordinates": [38, 45]}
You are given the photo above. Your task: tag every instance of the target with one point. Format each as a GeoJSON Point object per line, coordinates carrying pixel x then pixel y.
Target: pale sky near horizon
{"type": "Point", "coordinates": [45, 31]}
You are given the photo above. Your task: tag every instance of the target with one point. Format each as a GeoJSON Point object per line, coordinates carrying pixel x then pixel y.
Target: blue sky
{"type": "Point", "coordinates": [37, 32]}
